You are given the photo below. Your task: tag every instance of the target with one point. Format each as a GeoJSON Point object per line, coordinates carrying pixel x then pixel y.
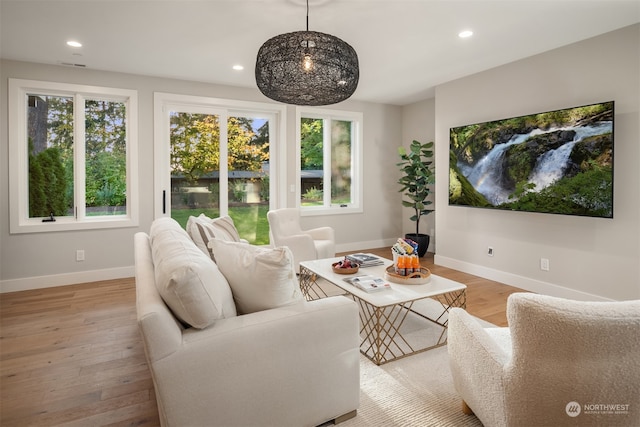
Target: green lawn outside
{"type": "Point", "coordinates": [251, 221]}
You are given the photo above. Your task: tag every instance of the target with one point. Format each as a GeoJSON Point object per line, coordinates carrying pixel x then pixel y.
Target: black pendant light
{"type": "Point", "coordinates": [307, 68]}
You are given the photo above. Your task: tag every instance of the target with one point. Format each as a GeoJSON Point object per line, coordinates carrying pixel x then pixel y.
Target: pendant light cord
{"type": "Point", "coordinates": [307, 15]}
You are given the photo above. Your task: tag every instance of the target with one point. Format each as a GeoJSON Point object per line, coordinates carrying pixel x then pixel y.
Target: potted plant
{"type": "Point", "coordinates": [417, 178]}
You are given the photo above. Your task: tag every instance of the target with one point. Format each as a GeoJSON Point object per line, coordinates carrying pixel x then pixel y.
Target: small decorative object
{"type": "Point", "coordinates": [403, 247]}
{"type": "Point", "coordinates": [307, 68]}
{"type": "Point", "coordinates": [417, 178]}
{"type": "Point", "coordinates": [345, 266]}
{"type": "Point", "coordinates": [420, 277]}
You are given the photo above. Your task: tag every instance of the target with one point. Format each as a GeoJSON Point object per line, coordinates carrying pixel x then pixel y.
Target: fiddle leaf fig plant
{"type": "Point", "coordinates": [417, 178]}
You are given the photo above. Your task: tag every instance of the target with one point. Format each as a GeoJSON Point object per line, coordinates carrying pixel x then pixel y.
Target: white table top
{"type": "Point", "coordinates": [398, 293]}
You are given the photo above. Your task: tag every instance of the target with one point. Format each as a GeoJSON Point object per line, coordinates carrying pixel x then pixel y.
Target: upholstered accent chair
{"type": "Point", "coordinates": [559, 363]}
{"type": "Point", "coordinates": [285, 230]}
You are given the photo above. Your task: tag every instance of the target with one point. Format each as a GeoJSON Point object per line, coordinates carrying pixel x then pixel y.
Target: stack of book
{"type": "Point", "coordinates": [365, 260]}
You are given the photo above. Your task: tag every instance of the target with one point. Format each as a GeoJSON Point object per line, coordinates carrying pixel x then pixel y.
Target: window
{"type": "Point", "coordinates": [330, 161]}
{"type": "Point", "coordinates": [72, 149]}
{"type": "Point", "coordinates": [218, 157]}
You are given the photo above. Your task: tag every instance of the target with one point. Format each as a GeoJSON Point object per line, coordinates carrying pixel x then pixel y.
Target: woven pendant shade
{"type": "Point", "coordinates": [307, 68]}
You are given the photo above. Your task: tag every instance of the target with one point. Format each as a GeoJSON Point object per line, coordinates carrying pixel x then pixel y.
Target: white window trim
{"type": "Point", "coordinates": [357, 180]}
{"type": "Point", "coordinates": [166, 102]}
{"type": "Point", "coordinates": [19, 159]}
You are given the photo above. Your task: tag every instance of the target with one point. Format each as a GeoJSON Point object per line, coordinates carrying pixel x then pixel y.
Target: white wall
{"type": "Point", "coordinates": [47, 259]}
{"type": "Point", "coordinates": [589, 257]}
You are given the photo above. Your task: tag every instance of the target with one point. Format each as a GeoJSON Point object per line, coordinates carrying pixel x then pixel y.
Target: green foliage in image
{"type": "Point", "coordinates": [313, 195]}
{"type": "Point", "coordinates": [417, 178]}
{"type": "Point", "coordinates": [47, 184]}
{"type": "Point", "coordinates": [471, 143]}
{"type": "Point", "coordinates": [581, 194]}
{"type": "Point", "coordinates": [311, 138]}
{"type": "Point", "coordinates": [195, 145]}
{"type": "Point", "coordinates": [238, 192]}
{"type": "Point", "coordinates": [461, 192]}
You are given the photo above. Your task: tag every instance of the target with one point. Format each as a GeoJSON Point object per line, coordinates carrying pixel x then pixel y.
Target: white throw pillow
{"type": "Point", "coordinates": [189, 282]}
{"type": "Point", "coordinates": [260, 278]}
{"type": "Point", "coordinates": [202, 229]}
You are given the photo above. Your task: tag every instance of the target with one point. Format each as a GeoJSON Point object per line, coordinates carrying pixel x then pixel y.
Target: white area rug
{"type": "Point", "coordinates": [414, 391]}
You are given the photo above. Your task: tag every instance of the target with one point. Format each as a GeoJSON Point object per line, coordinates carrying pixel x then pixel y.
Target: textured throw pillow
{"type": "Point", "coordinates": [260, 278]}
{"type": "Point", "coordinates": [202, 229]}
{"type": "Point", "coordinates": [189, 282]}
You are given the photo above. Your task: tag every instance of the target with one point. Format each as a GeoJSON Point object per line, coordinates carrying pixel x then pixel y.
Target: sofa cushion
{"type": "Point", "coordinates": [189, 282]}
{"type": "Point", "coordinates": [261, 278]}
{"type": "Point", "coordinates": [202, 229]}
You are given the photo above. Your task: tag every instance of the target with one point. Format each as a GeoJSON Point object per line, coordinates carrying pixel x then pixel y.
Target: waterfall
{"type": "Point", "coordinates": [485, 175]}
{"type": "Point", "coordinates": [550, 166]}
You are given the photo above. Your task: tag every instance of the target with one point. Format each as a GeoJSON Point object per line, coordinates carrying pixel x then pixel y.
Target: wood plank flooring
{"type": "Point", "coordinates": [72, 355]}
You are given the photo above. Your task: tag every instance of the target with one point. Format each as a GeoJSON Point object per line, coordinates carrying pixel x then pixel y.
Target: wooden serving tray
{"type": "Point", "coordinates": [416, 278]}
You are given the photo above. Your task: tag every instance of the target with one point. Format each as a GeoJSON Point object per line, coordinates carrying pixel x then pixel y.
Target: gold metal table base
{"type": "Point", "coordinates": [383, 339]}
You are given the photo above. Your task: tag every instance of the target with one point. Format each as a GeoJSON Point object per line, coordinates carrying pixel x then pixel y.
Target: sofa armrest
{"type": "Point", "coordinates": [224, 371]}
{"type": "Point", "coordinates": [478, 366]}
{"type": "Point", "coordinates": [161, 332]}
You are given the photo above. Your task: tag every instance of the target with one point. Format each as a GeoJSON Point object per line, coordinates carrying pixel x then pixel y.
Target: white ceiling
{"type": "Point", "coordinates": [405, 47]}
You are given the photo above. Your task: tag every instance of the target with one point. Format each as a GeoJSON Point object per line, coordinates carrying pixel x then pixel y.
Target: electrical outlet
{"type": "Point", "coordinates": [544, 264]}
{"type": "Point", "coordinates": [80, 255]}
{"type": "Point", "coordinates": [489, 251]}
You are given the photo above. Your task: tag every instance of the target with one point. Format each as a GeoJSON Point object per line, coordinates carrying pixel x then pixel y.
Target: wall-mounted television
{"type": "Point", "coordinates": [558, 162]}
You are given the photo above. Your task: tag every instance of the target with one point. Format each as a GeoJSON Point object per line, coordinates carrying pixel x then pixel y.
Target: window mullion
{"type": "Point", "coordinates": [326, 162]}
{"type": "Point", "coordinates": [224, 163]}
{"type": "Point", "coordinates": [79, 153]}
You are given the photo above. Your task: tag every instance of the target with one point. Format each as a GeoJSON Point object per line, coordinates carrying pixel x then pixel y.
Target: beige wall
{"type": "Point", "coordinates": [44, 259]}
{"type": "Point", "coordinates": [589, 257]}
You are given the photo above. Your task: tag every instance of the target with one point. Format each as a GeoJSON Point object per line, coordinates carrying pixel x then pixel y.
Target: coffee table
{"type": "Point", "coordinates": [386, 334]}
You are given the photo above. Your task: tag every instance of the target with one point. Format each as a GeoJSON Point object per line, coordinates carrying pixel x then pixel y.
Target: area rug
{"type": "Point", "coordinates": [414, 391]}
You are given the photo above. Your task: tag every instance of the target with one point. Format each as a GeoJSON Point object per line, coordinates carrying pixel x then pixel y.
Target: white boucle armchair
{"type": "Point", "coordinates": [306, 245]}
{"type": "Point", "coordinates": [559, 363]}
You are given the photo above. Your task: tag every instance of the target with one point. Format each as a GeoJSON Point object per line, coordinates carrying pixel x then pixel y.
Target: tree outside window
{"type": "Point", "coordinates": [330, 160]}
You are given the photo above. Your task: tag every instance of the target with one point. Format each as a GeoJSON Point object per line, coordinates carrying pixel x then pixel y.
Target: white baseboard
{"type": "Point", "coordinates": [357, 246]}
{"type": "Point", "coordinates": [521, 282]}
{"type": "Point", "coordinates": [40, 282]}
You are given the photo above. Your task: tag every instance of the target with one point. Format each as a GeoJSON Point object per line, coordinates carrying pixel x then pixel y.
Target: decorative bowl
{"type": "Point", "coordinates": [416, 278]}
{"type": "Point", "coordinates": [339, 270]}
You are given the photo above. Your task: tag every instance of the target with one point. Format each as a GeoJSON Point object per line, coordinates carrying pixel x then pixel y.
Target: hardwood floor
{"type": "Point", "coordinates": [72, 355]}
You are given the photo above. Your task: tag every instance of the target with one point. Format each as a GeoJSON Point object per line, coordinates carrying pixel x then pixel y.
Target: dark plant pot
{"type": "Point", "coordinates": [422, 240]}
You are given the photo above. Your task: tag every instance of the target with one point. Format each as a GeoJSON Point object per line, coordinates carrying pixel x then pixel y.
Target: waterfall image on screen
{"type": "Point", "coordinates": [557, 162]}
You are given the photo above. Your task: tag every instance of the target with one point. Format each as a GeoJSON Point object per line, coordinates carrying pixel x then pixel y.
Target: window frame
{"type": "Point", "coordinates": [164, 103]}
{"type": "Point", "coordinates": [357, 181]}
{"type": "Point", "coordinates": [19, 157]}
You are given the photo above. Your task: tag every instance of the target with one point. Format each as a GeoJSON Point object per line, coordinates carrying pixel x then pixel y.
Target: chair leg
{"type": "Point", "coordinates": [465, 408]}
{"type": "Point", "coordinates": [345, 417]}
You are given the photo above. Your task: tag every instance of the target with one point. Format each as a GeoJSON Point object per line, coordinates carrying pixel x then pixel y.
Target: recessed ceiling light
{"type": "Point", "coordinates": [74, 43]}
{"type": "Point", "coordinates": [464, 34]}
{"type": "Point", "coordinates": [238, 67]}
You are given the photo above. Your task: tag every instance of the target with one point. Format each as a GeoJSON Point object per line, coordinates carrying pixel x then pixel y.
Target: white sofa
{"type": "Point", "coordinates": [295, 365]}
{"type": "Point", "coordinates": [559, 363]}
